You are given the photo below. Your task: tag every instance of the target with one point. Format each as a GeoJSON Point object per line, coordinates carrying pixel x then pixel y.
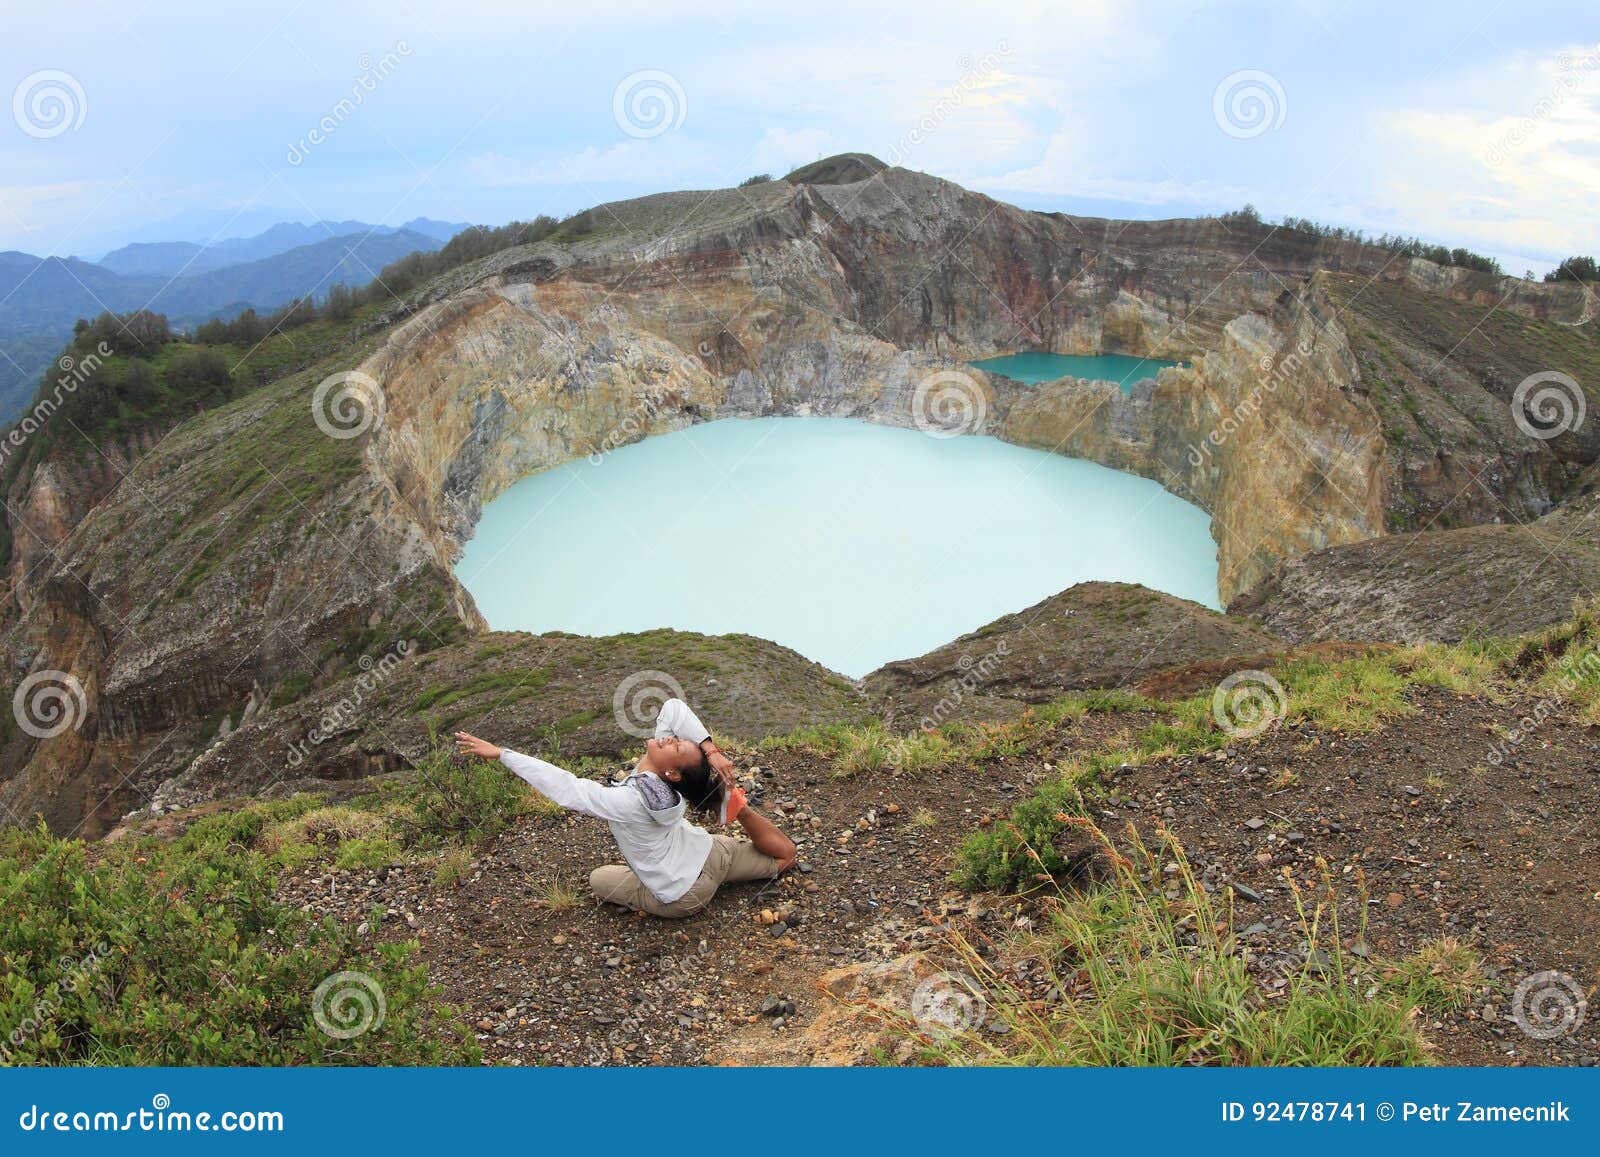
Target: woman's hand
{"type": "Point", "coordinates": [723, 766]}
{"type": "Point", "coordinates": [472, 745]}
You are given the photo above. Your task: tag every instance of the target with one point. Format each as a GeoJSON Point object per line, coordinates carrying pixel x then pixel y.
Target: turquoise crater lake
{"type": "Point", "coordinates": [852, 543]}
{"type": "Point", "coordinates": [1045, 367]}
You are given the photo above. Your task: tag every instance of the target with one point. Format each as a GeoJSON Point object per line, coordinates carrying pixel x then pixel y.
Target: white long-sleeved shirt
{"type": "Point", "coordinates": [663, 848]}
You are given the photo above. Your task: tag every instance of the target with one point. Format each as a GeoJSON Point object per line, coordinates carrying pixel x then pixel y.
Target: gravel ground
{"type": "Point", "coordinates": [1500, 856]}
{"type": "Point", "coordinates": [1448, 841]}
{"type": "Point", "coordinates": [563, 980]}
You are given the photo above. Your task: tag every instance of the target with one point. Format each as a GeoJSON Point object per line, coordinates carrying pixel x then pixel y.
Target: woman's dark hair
{"type": "Point", "coordinates": [699, 787]}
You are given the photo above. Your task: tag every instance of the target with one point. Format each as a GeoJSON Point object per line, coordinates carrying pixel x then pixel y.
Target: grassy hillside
{"type": "Point", "coordinates": [1442, 373]}
{"type": "Point", "coordinates": [1271, 899]}
{"type": "Point", "coordinates": [40, 299]}
{"type": "Point", "coordinates": [129, 394]}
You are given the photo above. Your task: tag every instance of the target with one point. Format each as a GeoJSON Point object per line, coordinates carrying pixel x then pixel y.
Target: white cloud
{"type": "Point", "coordinates": [1044, 102]}
{"type": "Point", "coordinates": [1523, 178]}
{"type": "Point", "coordinates": [1073, 166]}
{"type": "Point", "coordinates": [944, 90]}
{"type": "Point", "coordinates": [657, 163]}
{"type": "Point", "coordinates": [54, 216]}
{"type": "Point", "coordinates": [781, 150]}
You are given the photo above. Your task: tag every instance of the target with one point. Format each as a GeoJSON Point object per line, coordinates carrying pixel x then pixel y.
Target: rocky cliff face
{"type": "Point", "coordinates": [47, 500]}
{"type": "Point", "coordinates": [251, 558]}
{"type": "Point", "coordinates": [1267, 432]}
{"type": "Point", "coordinates": [840, 300]}
{"type": "Point", "coordinates": [242, 559]}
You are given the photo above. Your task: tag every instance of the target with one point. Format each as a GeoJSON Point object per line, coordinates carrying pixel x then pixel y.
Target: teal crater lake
{"type": "Point", "coordinates": [1034, 368]}
{"type": "Point", "coordinates": [852, 543]}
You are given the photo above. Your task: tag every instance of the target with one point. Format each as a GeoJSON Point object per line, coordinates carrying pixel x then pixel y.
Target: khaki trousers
{"type": "Point", "coordinates": [730, 861]}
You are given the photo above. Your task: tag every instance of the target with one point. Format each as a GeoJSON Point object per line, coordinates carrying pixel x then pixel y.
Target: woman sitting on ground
{"type": "Point", "coordinates": [673, 867]}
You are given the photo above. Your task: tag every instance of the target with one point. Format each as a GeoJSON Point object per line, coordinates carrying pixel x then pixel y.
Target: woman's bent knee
{"type": "Point", "coordinates": [614, 884]}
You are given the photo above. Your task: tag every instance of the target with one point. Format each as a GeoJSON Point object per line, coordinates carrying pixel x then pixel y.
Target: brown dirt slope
{"type": "Point", "coordinates": [1454, 833]}
{"type": "Point", "coordinates": [1424, 833]}
{"type": "Point", "coordinates": [1479, 581]}
{"type": "Point", "coordinates": [1093, 635]}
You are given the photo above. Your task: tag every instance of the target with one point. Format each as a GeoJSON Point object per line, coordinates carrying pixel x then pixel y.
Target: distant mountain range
{"type": "Point", "coordinates": [184, 258]}
{"type": "Point", "coordinates": [41, 297]}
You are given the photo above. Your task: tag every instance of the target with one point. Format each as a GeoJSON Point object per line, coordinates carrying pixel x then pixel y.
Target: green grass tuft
{"type": "Point", "coordinates": [1153, 975]}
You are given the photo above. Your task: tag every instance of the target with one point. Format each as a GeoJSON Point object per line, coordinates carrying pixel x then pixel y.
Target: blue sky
{"type": "Point", "coordinates": [1470, 122]}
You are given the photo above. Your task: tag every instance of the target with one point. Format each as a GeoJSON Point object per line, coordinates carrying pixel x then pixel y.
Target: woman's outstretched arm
{"type": "Point", "coordinates": [556, 784]}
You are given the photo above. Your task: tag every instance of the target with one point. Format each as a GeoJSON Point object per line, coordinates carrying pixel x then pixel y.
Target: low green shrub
{"type": "Point", "coordinates": [178, 953]}
{"type": "Point", "coordinates": [1027, 847]}
{"type": "Point", "coordinates": [456, 801]}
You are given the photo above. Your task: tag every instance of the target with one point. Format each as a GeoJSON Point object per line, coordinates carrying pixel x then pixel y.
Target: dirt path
{"type": "Point", "coordinates": [1502, 857]}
